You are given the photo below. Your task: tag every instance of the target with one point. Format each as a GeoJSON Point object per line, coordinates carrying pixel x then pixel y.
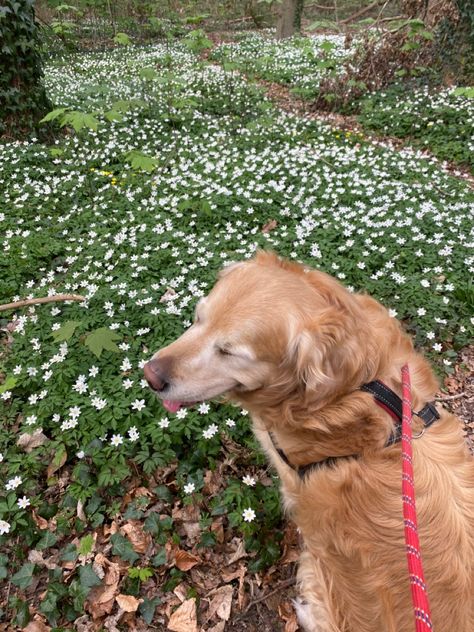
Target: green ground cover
{"type": "Point", "coordinates": [440, 120]}
{"type": "Point", "coordinates": [187, 164]}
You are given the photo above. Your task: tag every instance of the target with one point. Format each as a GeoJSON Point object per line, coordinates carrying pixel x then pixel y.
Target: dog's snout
{"type": "Point", "coordinates": [157, 373]}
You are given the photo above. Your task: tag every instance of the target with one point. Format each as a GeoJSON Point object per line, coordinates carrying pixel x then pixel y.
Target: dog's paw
{"type": "Point", "coordinates": [304, 615]}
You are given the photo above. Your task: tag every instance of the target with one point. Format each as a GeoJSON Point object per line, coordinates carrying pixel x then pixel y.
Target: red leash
{"type": "Point", "coordinates": [419, 594]}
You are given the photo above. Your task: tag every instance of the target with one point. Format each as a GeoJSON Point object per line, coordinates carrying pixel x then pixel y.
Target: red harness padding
{"type": "Point", "coordinates": [419, 593]}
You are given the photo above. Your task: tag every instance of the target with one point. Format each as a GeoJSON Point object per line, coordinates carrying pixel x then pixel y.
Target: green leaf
{"type": "Point", "coordinates": [48, 539]}
{"type": "Point", "coordinates": [122, 547]}
{"type": "Point", "coordinates": [148, 74]}
{"type": "Point", "coordinates": [102, 339]}
{"type": "Point", "coordinates": [79, 120]}
{"type": "Point", "coordinates": [123, 39]}
{"type": "Point", "coordinates": [86, 544]}
{"type": "Point", "coordinates": [66, 330]}
{"type": "Point", "coordinates": [56, 151]}
{"type": "Point", "coordinates": [147, 609]}
{"type": "Point", "coordinates": [54, 114]}
{"type": "Point", "coordinates": [8, 384]}
{"type": "Point", "coordinates": [22, 616]}
{"type": "Point", "coordinates": [113, 115]}
{"type": "Point", "coordinates": [88, 577]}
{"type": "Point", "coordinates": [464, 92]}
{"type": "Point", "coordinates": [160, 558]}
{"type": "Point", "coordinates": [24, 576]}
{"type": "Point", "coordinates": [141, 161]}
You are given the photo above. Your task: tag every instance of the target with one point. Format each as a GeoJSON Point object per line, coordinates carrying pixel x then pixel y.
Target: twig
{"type": "Point", "coordinates": [362, 11]}
{"type": "Point", "coordinates": [43, 299]}
{"type": "Point", "coordinates": [284, 584]}
{"type": "Point", "coordinates": [450, 397]}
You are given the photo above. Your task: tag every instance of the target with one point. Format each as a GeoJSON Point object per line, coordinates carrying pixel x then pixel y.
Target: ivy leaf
{"type": "Point", "coordinates": [24, 576]}
{"type": "Point", "coordinates": [147, 608]}
{"type": "Point", "coordinates": [49, 539]}
{"type": "Point", "coordinates": [123, 548]}
{"type": "Point", "coordinates": [88, 577]}
{"type": "Point", "coordinates": [100, 339]}
{"type": "Point", "coordinates": [66, 330]}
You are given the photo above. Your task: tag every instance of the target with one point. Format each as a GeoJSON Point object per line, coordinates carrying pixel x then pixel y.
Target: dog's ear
{"type": "Point", "coordinates": [329, 354]}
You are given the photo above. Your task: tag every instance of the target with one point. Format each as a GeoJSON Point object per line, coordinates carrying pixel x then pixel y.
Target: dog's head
{"type": "Point", "coordinates": [267, 330]}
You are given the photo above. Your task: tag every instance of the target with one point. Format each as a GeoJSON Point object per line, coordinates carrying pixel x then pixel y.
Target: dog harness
{"type": "Point", "coordinates": [391, 403]}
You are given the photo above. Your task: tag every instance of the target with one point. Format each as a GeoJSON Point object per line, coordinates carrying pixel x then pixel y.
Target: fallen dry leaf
{"type": "Point", "coordinates": [184, 618]}
{"type": "Point", "coordinates": [128, 603]}
{"type": "Point", "coordinates": [101, 599]}
{"type": "Point", "coordinates": [288, 614]}
{"type": "Point", "coordinates": [28, 442]}
{"type": "Point", "coordinates": [184, 560]}
{"type": "Point", "coordinates": [37, 558]}
{"type": "Point", "coordinates": [40, 522]}
{"type": "Point", "coordinates": [140, 540]}
{"type": "Point", "coordinates": [56, 465]}
{"type": "Point", "coordinates": [239, 553]}
{"type": "Point", "coordinates": [169, 295]}
{"type": "Point", "coordinates": [269, 226]}
{"type": "Point", "coordinates": [37, 626]}
{"type": "Point", "coordinates": [221, 603]}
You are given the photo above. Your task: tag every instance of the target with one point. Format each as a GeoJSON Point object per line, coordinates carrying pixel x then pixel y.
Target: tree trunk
{"type": "Point", "coordinates": [23, 99]}
{"type": "Point", "coordinates": [290, 18]}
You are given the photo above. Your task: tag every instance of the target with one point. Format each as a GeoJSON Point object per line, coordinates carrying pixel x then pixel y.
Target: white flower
{"type": "Point", "coordinates": [13, 483]}
{"type": "Point", "coordinates": [116, 440]}
{"type": "Point", "coordinates": [30, 420]}
{"type": "Point", "coordinates": [81, 454]}
{"type": "Point", "coordinates": [23, 503]}
{"type": "Point", "coordinates": [127, 384]}
{"type": "Point", "coordinates": [437, 346]}
{"type": "Point", "coordinates": [164, 423]}
{"type": "Point", "coordinates": [126, 365]}
{"type": "Point", "coordinates": [421, 311]}
{"type": "Point", "coordinates": [430, 335]}
{"type": "Point", "coordinates": [189, 488]}
{"type": "Point", "coordinates": [392, 313]}
{"type": "Point", "coordinates": [138, 404]}
{"type": "Point", "coordinates": [1, 457]}
{"type": "Point", "coordinates": [4, 527]}
{"type": "Point", "coordinates": [249, 515]}
{"type": "Point", "coordinates": [93, 371]}
{"type": "Point", "coordinates": [204, 408]}
{"type": "Point", "coordinates": [230, 423]}
{"type": "Point", "coordinates": [182, 413]}
{"type": "Point", "coordinates": [98, 403]}
{"type": "Point", "coordinates": [133, 433]}
{"type": "Point", "coordinates": [249, 480]}
{"type": "Point", "coordinates": [210, 431]}
{"type": "Point", "coordinates": [6, 395]}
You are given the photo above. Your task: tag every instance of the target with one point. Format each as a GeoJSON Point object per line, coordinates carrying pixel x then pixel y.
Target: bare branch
{"type": "Point", "coordinates": [43, 299]}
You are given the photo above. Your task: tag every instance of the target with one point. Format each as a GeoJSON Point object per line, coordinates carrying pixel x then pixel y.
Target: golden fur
{"type": "Point", "coordinates": [303, 345]}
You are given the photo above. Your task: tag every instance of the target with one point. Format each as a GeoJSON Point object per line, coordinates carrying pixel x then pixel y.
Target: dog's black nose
{"type": "Point", "coordinates": [157, 373]}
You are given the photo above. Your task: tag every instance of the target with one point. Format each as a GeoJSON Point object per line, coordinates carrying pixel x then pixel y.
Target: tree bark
{"type": "Point", "coordinates": [290, 18]}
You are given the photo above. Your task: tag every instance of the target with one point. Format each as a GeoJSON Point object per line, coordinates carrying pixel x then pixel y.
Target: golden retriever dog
{"type": "Point", "coordinates": [294, 347]}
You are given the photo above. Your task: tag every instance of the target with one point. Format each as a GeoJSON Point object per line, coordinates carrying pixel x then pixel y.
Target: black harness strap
{"type": "Point", "coordinates": [386, 399]}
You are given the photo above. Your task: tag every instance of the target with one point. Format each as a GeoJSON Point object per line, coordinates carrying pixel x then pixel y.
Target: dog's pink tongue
{"type": "Point", "coordinates": [172, 406]}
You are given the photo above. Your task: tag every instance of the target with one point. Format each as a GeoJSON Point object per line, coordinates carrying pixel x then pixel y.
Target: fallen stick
{"type": "Point", "coordinates": [43, 299]}
{"type": "Point", "coordinates": [450, 397]}
{"type": "Point", "coordinates": [284, 584]}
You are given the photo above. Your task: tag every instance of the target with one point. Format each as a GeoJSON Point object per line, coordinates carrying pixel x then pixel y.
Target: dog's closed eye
{"type": "Point", "coordinates": [223, 351]}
